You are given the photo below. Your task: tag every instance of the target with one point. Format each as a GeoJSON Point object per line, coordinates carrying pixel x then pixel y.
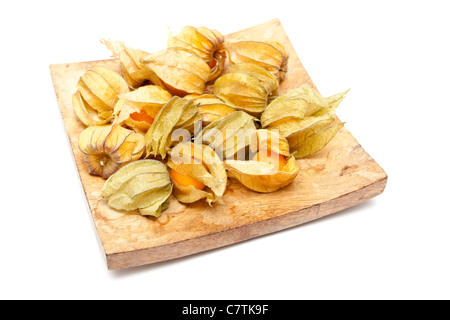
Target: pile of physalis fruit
{"type": "Point", "coordinates": [175, 123]}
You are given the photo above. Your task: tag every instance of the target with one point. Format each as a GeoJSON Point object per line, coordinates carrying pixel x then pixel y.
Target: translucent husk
{"type": "Point", "coordinates": [299, 103]}
{"type": "Point", "coordinates": [267, 79]}
{"type": "Point", "coordinates": [206, 43]}
{"type": "Point", "coordinates": [176, 114]}
{"type": "Point", "coordinates": [85, 113]}
{"type": "Point", "coordinates": [305, 118]}
{"type": "Point", "coordinates": [178, 70]}
{"type": "Point", "coordinates": [270, 55]}
{"type": "Point", "coordinates": [284, 61]}
{"type": "Point", "coordinates": [242, 92]}
{"type": "Point", "coordinates": [210, 107]}
{"type": "Point", "coordinates": [314, 140]}
{"type": "Point", "coordinates": [134, 72]}
{"type": "Point", "coordinates": [142, 185]}
{"type": "Point", "coordinates": [229, 134]}
{"type": "Point", "coordinates": [262, 176]}
{"type": "Point", "coordinates": [203, 164]}
{"type": "Point", "coordinates": [263, 139]}
{"type": "Point", "coordinates": [97, 93]}
{"type": "Point", "coordinates": [149, 99]}
{"type": "Point", "coordinates": [107, 148]}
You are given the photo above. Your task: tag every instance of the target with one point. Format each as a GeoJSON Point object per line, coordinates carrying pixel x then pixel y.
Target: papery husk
{"type": "Point", "coordinates": [178, 70]}
{"type": "Point", "coordinates": [134, 72]}
{"type": "Point", "coordinates": [299, 103]}
{"type": "Point", "coordinates": [314, 141]}
{"type": "Point", "coordinates": [142, 185]}
{"type": "Point", "coordinates": [178, 113]}
{"type": "Point", "coordinates": [206, 43]}
{"type": "Point", "coordinates": [149, 99]}
{"type": "Point", "coordinates": [107, 148]}
{"type": "Point", "coordinates": [270, 55]}
{"type": "Point", "coordinates": [285, 59]}
{"type": "Point", "coordinates": [229, 134]}
{"type": "Point", "coordinates": [263, 139]}
{"type": "Point", "coordinates": [97, 93]}
{"type": "Point", "coordinates": [305, 118]}
{"type": "Point", "coordinates": [309, 135]}
{"type": "Point", "coordinates": [85, 113]}
{"type": "Point", "coordinates": [242, 92]}
{"type": "Point", "coordinates": [262, 176]}
{"type": "Point", "coordinates": [267, 79]}
{"type": "Point", "coordinates": [270, 99]}
{"type": "Point", "coordinates": [202, 163]}
{"type": "Point", "coordinates": [210, 107]}
{"type": "Point", "coordinates": [288, 105]}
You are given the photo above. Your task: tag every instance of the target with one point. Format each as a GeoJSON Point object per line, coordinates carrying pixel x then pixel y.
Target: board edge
{"type": "Point", "coordinates": [209, 242]}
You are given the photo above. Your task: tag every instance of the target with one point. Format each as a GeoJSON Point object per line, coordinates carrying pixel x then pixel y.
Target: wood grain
{"type": "Point", "coordinates": [338, 177]}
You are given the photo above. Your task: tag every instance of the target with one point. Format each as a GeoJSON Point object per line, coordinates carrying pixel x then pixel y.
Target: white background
{"type": "Point", "coordinates": [394, 55]}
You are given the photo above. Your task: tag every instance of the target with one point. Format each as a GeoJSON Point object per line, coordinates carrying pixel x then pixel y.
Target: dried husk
{"type": "Point", "coordinates": [178, 70]}
{"type": "Point", "coordinates": [285, 59]}
{"type": "Point", "coordinates": [107, 148]}
{"type": "Point", "coordinates": [149, 99]}
{"type": "Point", "coordinates": [229, 134]}
{"type": "Point", "coordinates": [142, 185]}
{"type": "Point", "coordinates": [263, 139]}
{"type": "Point", "coordinates": [306, 102]}
{"type": "Point", "coordinates": [206, 43]}
{"type": "Point", "coordinates": [202, 163]}
{"type": "Point", "coordinates": [305, 118]}
{"type": "Point", "coordinates": [313, 140]}
{"type": "Point", "coordinates": [242, 92]}
{"type": "Point", "coordinates": [270, 55]}
{"type": "Point", "coordinates": [85, 113]}
{"type": "Point", "coordinates": [178, 113]}
{"type": "Point", "coordinates": [271, 98]}
{"type": "Point", "coordinates": [210, 107]}
{"type": "Point", "coordinates": [97, 93]}
{"type": "Point", "coordinates": [134, 72]}
{"type": "Point", "coordinates": [261, 176]}
{"type": "Point", "coordinates": [267, 79]}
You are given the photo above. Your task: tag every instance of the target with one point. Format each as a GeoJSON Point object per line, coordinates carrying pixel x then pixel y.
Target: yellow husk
{"type": "Point", "coordinates": [229, 134]}
{"type": "Point", "coordinates": [210, 107]}
{"type": "Point", "coordinates": [178, 113]}
{"type": "Point", "coordinates": [142, 185]}
{"type": "Point", "coordinates": [299, 103]}
{"type": "Point", "coordinates": [190, 159]}
{"type": "Point", "coordinates": [284, 61]}
{"type": "Point", "coordinates": [242, 92]}
{"type": "Point", "coordinates": [305, 118]}
{"type": "Point", "coordinates": [85, 113]}
{"type": "Point", "coordinates": [206, 43]}
{"type": "Point", "coordinates": [267, 79]}
{"type": "Point", "coordinates": [315, 141]}
{"type": "Point", "coordinates": [270, 55]}
{"type": "Point", "coordinates": [97, 93]}
{"type": "Point", "coordinates": [107, 148]}
{"type": "Point", "coordinates": [178, 70]}
{"type": "Point", "coordinates": [149, 99]}
{"type": "Point", "coordinates": [133, 70]}
{"type": "Point", "coordinates": [261, 176]}
{"type": "Point", "coordinates": [269, 140]}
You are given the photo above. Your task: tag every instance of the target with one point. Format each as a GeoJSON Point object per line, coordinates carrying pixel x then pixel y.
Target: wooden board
{"type": "Point", "coordinates": [338, 177]}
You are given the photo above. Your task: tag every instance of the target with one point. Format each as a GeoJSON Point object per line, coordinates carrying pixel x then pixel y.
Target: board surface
{"type": "Point", "coordinates": [336, 178]}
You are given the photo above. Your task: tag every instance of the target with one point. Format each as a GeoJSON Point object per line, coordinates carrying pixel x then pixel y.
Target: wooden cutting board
{"type": "Point", "coordinates": [338, 177]}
